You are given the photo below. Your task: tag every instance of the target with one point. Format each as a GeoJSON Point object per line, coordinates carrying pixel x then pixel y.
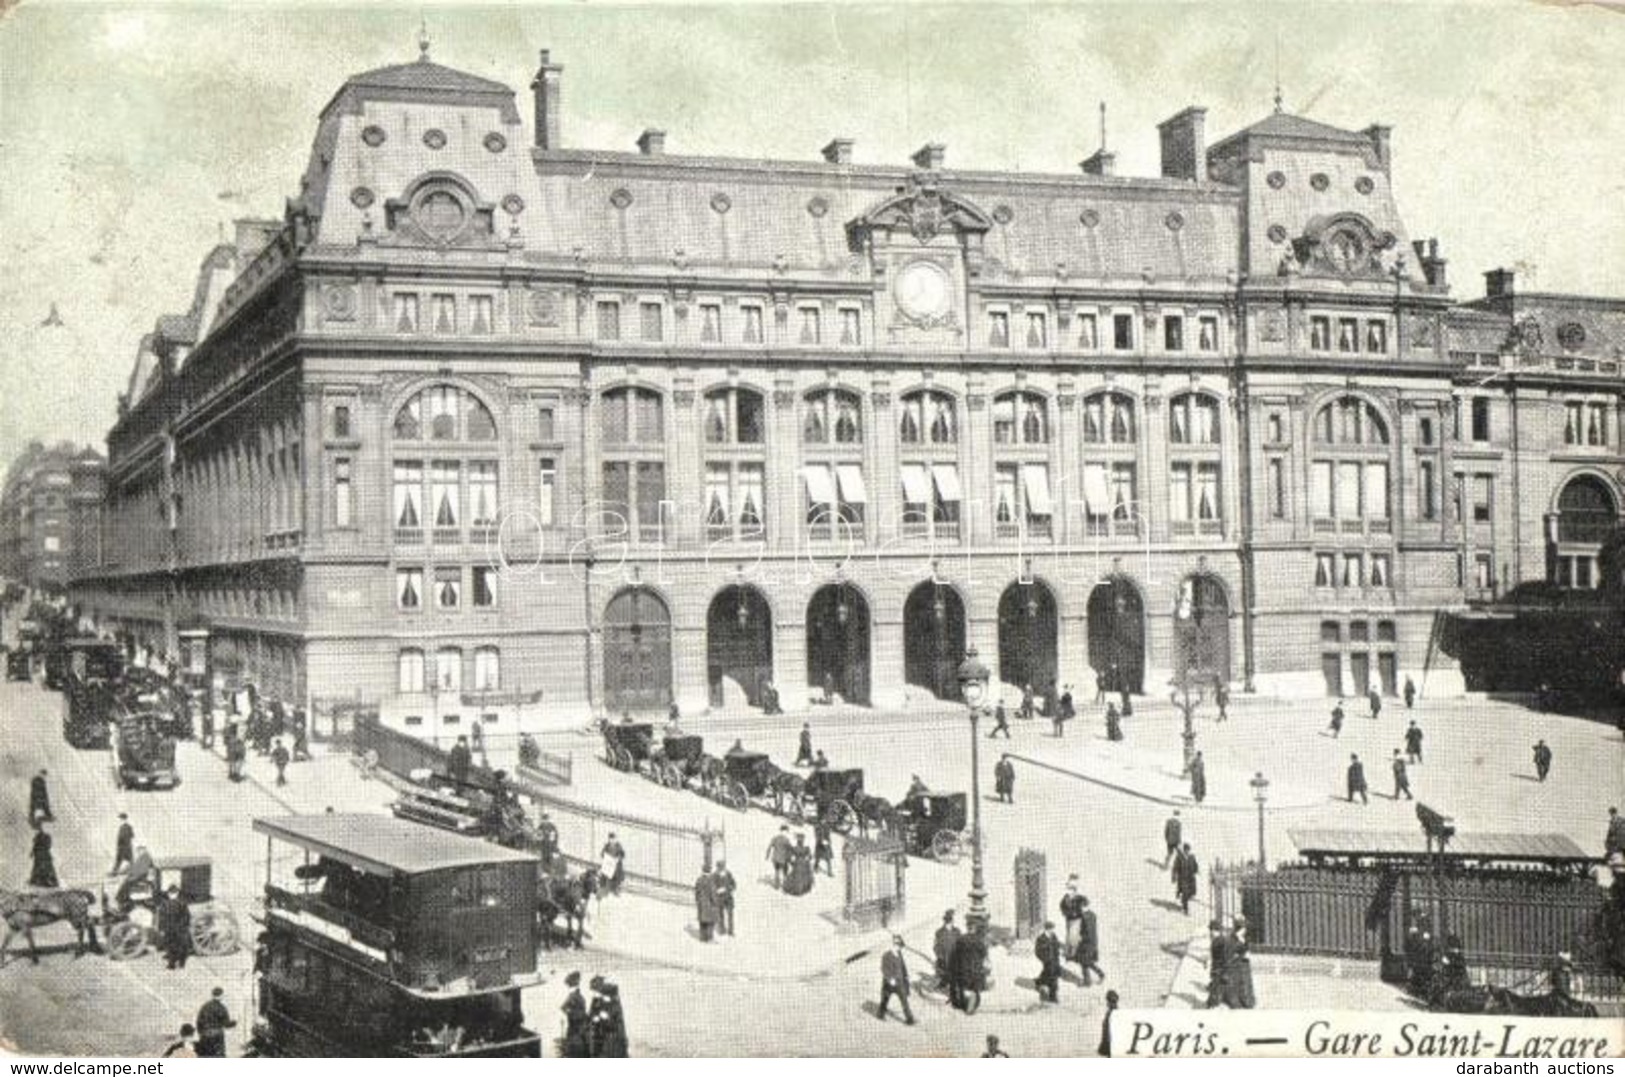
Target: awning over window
{"type": "Point", "coordinates": [1035, 477]}
{"type": "Point", "coordinates": [947, 476]}
{"type": "Point", "coordinates": [852, 491]}
{"type": "Point", "coordinates": [1096, 493]}
{"type": "Point", "coordinates": [916, 485]}
{"type": "Point", "coordinates": [820, 490]}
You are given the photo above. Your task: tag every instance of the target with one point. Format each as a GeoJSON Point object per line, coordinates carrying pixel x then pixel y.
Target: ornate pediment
{"type": "Point", "coordinates": [1344, 246]}
{"type": "Point", "coordinates": [924, 210]}
{"type": "Point", "coordinates": [439, 209]}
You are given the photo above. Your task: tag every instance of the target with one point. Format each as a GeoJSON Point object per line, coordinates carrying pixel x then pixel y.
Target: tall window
{"type": "Point", "coordinates": [406, 312]}
{"type": "Point", "coordinates": [445, 314]}
{"type": "Point", "coordinates": [998, 329]}
{"type": "Point", "coordinates": [1194, 436]}
{"type": "Point", "coordinates": [1022, 505]}
{"type": "Point", "coordinates": [832, 448]}
{"type": "Point", "coordinates": [1428, 492]}
{"type": "Point", "coordinates": [851, 327]}
{"type": "Point", "coordinates": [832, 416]}
{"type": "Point", "coordinates": [634, 469]}
{"type": "Point", "coordinates": [341, 492]}
{"type": "Point", "coordinates": [653, 322]}
{"type": "Point", "coordinates": [448, 588]}
{"type": "Point", "coordinates": [409, 588]}
{"type": "Point", "coordinates": [547, 494]}
{"type": "Point", "coordinates": [710, 323]}
{"type": "Point", "coordinates": [735, 436]}
{"type": "Point", "coordinates": [1320, 333]}
{"type": "Point", "coordinates": [1020, 418]}
{"type": "Point", "coordinates": [1088, 332]}
{"type": "Point", "coordinates": [928, 428]}
{"type": "Point", "coordinates": [1123, 332]}
{"type": "Point", "coordinates": [409, 671]}
{"type": "Point", "coordinates": [408, 499]}
{"type": "Point", "coordinates": [1193, 420]}
{"type": "Point", "coordinates": [485, 586]}
{"type": "Point", "coordinates": [444, 485]}
{"type": "Point", "coordinates": [479, 314]}
{"type": "Point", "coordinates": [609, 320]}
{"type": "Point", "coordinates": [1108, 418]}
{"type": "Point", "coordinates": [448, 669]}
{"type": "Point", "coordinates": [1348, 475]}
{"type": "Point", "coordinates": [753, 324]}
{"type": "Point", "coordinates": [1585, 424]}
{"type": "Point", "coordinates": [487, 669]}
{"type": "Point", "coordinates": [482, 493]}
{"type": "Point", "coordinates": [1208, 333]}
{"type": "Point", "coordinates": [734, 417]}
{"type": "Point", "coordinates": [1173, 333]}
{"type": "Point", "coordinates": [1194, 495]}
{"type": "Point", "coordinates": [1037, 330]}
{"type": "Point", "coordinates": [1586, 517]}
{"type": "Point", "coordinates": [1481, 418]}
{"type": "Point", "coordinates": [811, 326]}
{"type": "Point", "coordinates": [1110, 498]}
{"type": "Point", "coordinates": [927, 417]}
{"type": "Point", "coordinates": [444, 413]}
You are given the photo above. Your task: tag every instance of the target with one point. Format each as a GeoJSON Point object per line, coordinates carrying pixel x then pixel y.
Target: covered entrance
{"type": "Point", "coordinates": [1202, 630]}
{"type": "Point", "coordinates": [1117, 634]}
{"type": "Point", "coordinates": [637, 652]}
{"type": "Point", "coordinates": [838, 642]}
{"type": "Point", "coordinates": [738, 645]}
{"type": "Point", "coordinates": [934, 638]}
{"type": "Point", "coordinates": [1028, 634]}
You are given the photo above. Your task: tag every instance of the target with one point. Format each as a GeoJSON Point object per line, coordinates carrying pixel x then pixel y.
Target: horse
{"type": "Point", "coordinates": [874, 811]}
{"type": "Point", "coordinates": [25, 910]}
{"type": "Point", "coordinates": [567, 897]}
{"type": "Point", "coordinates": [1488, 999]}
{"type": "Point", "coordinates": [789, 792]}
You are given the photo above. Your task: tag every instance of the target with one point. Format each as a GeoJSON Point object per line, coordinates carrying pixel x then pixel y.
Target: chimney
{"type": "Point", "coordinates": [1498, 284]}
{"type": "Point", "coordinates": [838, 152]}
{"type": "Point", "coordinates": [1378, 135]}
{"type": "Point", "coordinates": [1184, 144]}
{"type": "Point", "coordinates": [546, 88]}
{"type": "Point", "coordinates": [1427, 256]}
{"type": "Point", "coordinates": [652, 143]}
{"type": "Point", "coordinates": [929, 156]}
{"type": "Point", "coordinates": [1099, 163]}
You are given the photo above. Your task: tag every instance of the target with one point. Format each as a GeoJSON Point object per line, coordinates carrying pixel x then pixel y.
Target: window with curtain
{"type": "Point", "coordinates": [448, 669]}
{"type": "Point", "coordinates": [1193, 419]}
{"type": "Point", "coordinates": [1108, 418]}
{"type": "Point", "coordinates": [487, 669]}
{"type": "Point", "coordinates": [832, 416]}
{"type": "Point", "coordinates": [482, 493]}
{"type": "Point", "coordinates": [409, 672]}
{"type": "Point", "coordinates": [1020, 418]}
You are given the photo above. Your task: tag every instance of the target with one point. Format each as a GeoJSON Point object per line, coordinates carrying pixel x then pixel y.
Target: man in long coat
{"type": "Point", "coordinates": [779, 854]}
{"type": "Point", "coordinates": [1543, 760]}
{"type": "Point", "coordinates": [42, 873]}
{"type": "Point", "coordinates": [705, 904]}
{"type": "Point", "coordinates": [1239, 981]}
{"type": "Point", "coordinates": [174, 923]}
{"type": "Point", "coordinates": [458, 761]}
{"type": "Point", "coordinates": [894, 980]}
{"type": "Point", "coordinates": [574, 1008]}
{"type": "Point", "coordinates": [968, 967]}
{"type": "Point", "coordinates": [804, 752]}
{"type": "Point", "coordinates": [1413, 742]}
{"type": "Point", "coordinates": [1185, 871]}
{"type": "Point", "coordinates": [1047, 948]}
{"type": "Point", "coordinates": [1402, 780]}
{"type": "Point", "coordinates": [123, 844]}
{"type": "Point", "coordinates": [1198, 778]}
{"type": "Point", "coordinates": [1172, 833]}
{"type": "Point", "coordinates": [212, 1021]}
{"type": "Point", "coordinates": [942, 949]}
{"type": "Point", "coordinates": [1356, 780]}
{"type": "Point", "coordinates": [1219, 949]}
{"type": "Point", "coordinates": [1088, 952]}
{"type": "Point", "coordinates": [39, 799]}
{"type": "Point", "coordinates": [1004, 779]}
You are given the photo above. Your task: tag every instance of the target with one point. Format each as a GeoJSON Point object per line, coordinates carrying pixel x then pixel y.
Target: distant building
{"type": "Point", "coordinates": [482, 419]}
{"type": "Point", "coordinates": [50, 512]}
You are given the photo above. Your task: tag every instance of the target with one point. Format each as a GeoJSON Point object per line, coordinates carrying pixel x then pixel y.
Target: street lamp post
{"type": "Point", "coordinates": [973, 678]}
{"type": "Point", "coordinates": [1261, 787]}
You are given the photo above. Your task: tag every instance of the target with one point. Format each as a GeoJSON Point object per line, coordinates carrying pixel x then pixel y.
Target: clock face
{"type": "Point", "coordinates": [922, 290]}
{"type": "Point", "coordinates": [1345, 251]}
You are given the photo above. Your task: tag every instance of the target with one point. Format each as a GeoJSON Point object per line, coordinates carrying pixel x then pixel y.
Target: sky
{"type": "Point", "coordinates": [130, 134]}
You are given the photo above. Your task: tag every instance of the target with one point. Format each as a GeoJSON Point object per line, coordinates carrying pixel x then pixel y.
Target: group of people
{"type": "Point", "coordinates": [794, 864]}
{"type": "Point", "coordinates": [1230, 970]}
{"type": "Point", "coordinates": [714, 901]}
{"type": "Point", "coordinates": [265, 730]}
{"type": "Point", "coordinates": [207, 1038]}
{"type": "Point", "coordinates": [596, 1029]}
{"type": "Point", "coordinates": [1402, 761]}
{"type": "Point", "coordinates": [960, 959]}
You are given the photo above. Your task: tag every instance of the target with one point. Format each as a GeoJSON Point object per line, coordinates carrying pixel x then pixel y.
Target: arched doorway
{"type": "Point", "coordinates": [1587, 516]}
{"type": "Point", "coordinates": [934, 638]}
{"type": "Point", "coordinates": [838, 642]}
{"type": "Point", "coordinates": [1117, 634]}
{"type": "Point", "coordinates": [637, 651]}
{"type": "Point", "coordinates": [1028, 634]}
{"type": "Point", "coordinates": [1202, 630]}
{"type": "Point", "coordinates": [739, 644]}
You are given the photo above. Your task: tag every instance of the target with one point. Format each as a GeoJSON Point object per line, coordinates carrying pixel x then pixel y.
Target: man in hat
{"type": "Point", "coordinates": [1356, 780]}
{"type": "Point", "coordinates": [1543, 759]}
{"type": "Point", "coordinates": [942, 949]}
{"type": "Point", "coordinates": [1072, 914]}
{"type": "Point", "coordinates": [1047, 948]}
{"type": "Point", "coordinates": [548, 835]}
{"type": "Point", "coordinates": [1105, 1048]}
{"type": "Point", "coordinates": [1198, 778]}
{"type": "Point", "coordinates": [174, 923]}
{"type": "Point", "coordinates": [42, 872]}
{"type": "Point", "coordinates": [1001, 722]}
{"type": "Point", "coordinates": [804, 753]}
{"type": "Point", "coordinates": [823, 847]}
{"type": "Point", "coordinates": [1087, 954]}
{"type": "Point", "coordinates": [212, 1021]}
{"type": "Point", "coordinates": [280, 758]}
{"type": "Point", "coordinates": [1004, 779]}
{"type": "Point", "coordinates": [1219, 949]}
{"type": "Point", "coordinates": [705, 904]}
{"type": "Point", "coordinates": [1171, 835]}
{"type": "Point", "coordinates": [574, 1043]}
{"type": "Point", "coordinates": [1185, 871]}
{"type": "Point", "coordinates": [123, 844]}
{"type": "Point", "coordinates": [1221, 699]}
{"type": "Point", "coordinates": [1374, 698]}
{"type": "Point", "coordinates": [458, 761]}
{"type": "Point", "coordinates": [779, 853]}
{"type": "Point", "coordinates": [723, 881]}
{"type": "Point", "coordinates": [39, 799]}
{"type": "Point", "coordinates": [894, 980]}
{"type": "Point", "coordinates": [1413, 742]}
{"type": "Point", "coordinates": [1410, 693]}
{"type": "Point", "coordinates": [1337, 719]}
{"type": "Point", "coordinates": [1402, 780]}
{"type": "Point", "coordinates": [968, 967]}
{"type": "Point", "coordinates": [596, 1021]}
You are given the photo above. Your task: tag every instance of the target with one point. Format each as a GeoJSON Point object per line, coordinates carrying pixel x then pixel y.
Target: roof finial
{"type": "Point", "coordinates": [423, 40]}
{"type": "Point", "coordinates": [1278, 106]}
{"type": "Point", "coordinates": [1103, 127]}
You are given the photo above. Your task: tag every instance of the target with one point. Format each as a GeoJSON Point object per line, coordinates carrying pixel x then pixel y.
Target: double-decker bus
{"type": "Point", "coordinates": [387, 939]}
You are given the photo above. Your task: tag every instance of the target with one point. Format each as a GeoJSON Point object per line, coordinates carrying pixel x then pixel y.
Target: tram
{"type": "Point", "coordinates": [386, 939]}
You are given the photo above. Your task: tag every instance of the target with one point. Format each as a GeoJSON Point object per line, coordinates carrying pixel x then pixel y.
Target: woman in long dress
{"type": "Point", "coordinates": [800, 880]}
{"type": "Point", "coordinates": [612, 865]}
{"type": "Point", "coordinates": [43, 874]}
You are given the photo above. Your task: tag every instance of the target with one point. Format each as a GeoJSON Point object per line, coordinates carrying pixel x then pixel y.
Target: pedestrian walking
{"type": "Point", "coordinates": [1356, 780]}
{"type": "Point", "coordinates": [1185, 871]}
{"type": "Point", "coordinates": [612, 864]}
{"type": "Point", "coordinates": [1067, 706]}
{"type": "Point", "coordinates": [1374, 698]}
{"type": "Point", "coordinates": [1413, 742]}
{"type": "Point", "coordinates": [968, 966]}
{"type": "Point", "coordinates": [1614, 841]}
{"type": "Point", "coordinates": [799, 881]}
{"type": "Point", "coordinates": [42, 871]}
{"type": "Point", "coordinates": [123, 845]}
{"type": "Point", "coordinates": [1172, 833]}
{"type": "Point", "coordinates": [1061, 716]}
{"type": "Point", "coordinates": [1088, 953]}
{"type": "Point", "coordinates": [174, 923]}
{"type": "Point", "coordinates": [1004, 779]}
{"type": "Point", "coordinates": [722, 880]}
{"type": "Point", "coordinates": [1047, 948]}
{"type": "Point", "coordinates": [1001, 722]}
{"type": "Point", "coordinates": [1071, 916]}
{"type": "Point", "coordinates": [39, 799]}
{"type": "Point", "coordinates": [1219, 948]}
{"type": "Point", "coordinates": [574, 1042]}
{"type": "Point", "coordinates": [1198, 778]}
{"type": "Point", "coordinates": [1543, 759]}
{"type": "Point", "coordinates": [212, 1021]}
{"type": "Point", "coordinates": [894, 980]}
{"type": "Point", "coordinates": [1105, 1048]}
{"type": "Point", "coordinates": [1410, 693]}
{"type": "Point", "coordinates": [823, 848]}
{"type": "Point", "coordinates": [1402, 781]}
{"type": "Point", "coordinates": [301, 744]}
{"type": "Point", "coordinates": [458, 761]}
{"type": "Point", "coordinates": [1027, 708]}
{"type": "Point", "coordinates": [705, 904]}
{"type": "Point", "coordinates": [280, 757]}
{"type": "Point", "coordinates": [942, 950]}
{"type": "Point", "coordinates": [779, 853]}
{"type": "Point", "coordinates": [804, 753]}
{"type": "Point", "coordinates": [1240, 978]}
{"type": "Point", "coordinates": [1114, 723]}
{"type": "Point", "coordinates": [1221, 697]}
{"type": "Point", "coordinates": [1337, 719]}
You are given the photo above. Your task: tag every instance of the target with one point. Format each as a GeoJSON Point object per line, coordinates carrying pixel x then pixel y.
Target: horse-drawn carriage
{"type": "Point", "coordinates": [933, 824]}
{"type": "Point", "coordinates": [132, 929]}
{"type": "Point", "coordinates": [746, 776]}
{"type": "Point", "coordinates": [680, 760]}
{"type": "Point", "coordinates": [828, 796]}
{"type": "Point", "coordinates": [143, 752]}
{"type": "Point", "coordinates": [629, 746]}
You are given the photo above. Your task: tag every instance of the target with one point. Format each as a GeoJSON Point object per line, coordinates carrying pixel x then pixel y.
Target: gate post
{"type": "Point", "coordinates": [1030, 896]}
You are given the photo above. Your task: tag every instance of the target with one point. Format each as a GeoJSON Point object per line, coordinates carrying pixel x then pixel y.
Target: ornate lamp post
{"type": "Point", "coordinates": [973, 678]}
{"type": "Point", "coordinates": [1261, 787]}
{"type": "Point", "coordinates": [1190, 616]}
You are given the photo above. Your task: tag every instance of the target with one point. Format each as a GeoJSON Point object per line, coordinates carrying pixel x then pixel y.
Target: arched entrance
{"type": "Point", "coordinates": [1028, 634]}
{"type": "Point", "coordinates": [738, 644]}
{"type": "Point", "coordinates": [1202, 630]}
{"type": "Point", "coordinates": [838, 642]}
{"type": "Point", "coordinates": [637, 652]}
{"type": "Point", "coordinates": [934, 638]}
{"type": "Point", "coordinates": [1587, 516]}
{"type": "Point", "coordinates": [1117, 634]}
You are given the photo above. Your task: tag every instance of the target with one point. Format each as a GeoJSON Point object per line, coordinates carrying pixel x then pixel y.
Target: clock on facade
{"type": "Point", "coordinates": [1345, 250]}
{"type": "Point", "coordinates": [922, 290]}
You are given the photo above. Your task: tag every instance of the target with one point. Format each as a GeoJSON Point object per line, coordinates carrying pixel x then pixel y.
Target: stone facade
{"type": "Point", "coordinates": [485, 427]}
{"type": "Point", "coordinates": [50, 515]}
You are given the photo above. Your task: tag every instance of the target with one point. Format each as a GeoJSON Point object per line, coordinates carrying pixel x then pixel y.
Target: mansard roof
{"type": "Point", "coordinates": [1286, 125]}
{"type": "Point", "coordinates": [422, 80]}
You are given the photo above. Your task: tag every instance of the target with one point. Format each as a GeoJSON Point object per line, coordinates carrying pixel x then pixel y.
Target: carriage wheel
{"type": "Point", "coordinates": [841, 817]}
{"type": "Point", "coordinates": [214, 933]}
{"type": "Point", "coordinates": [947, 846]}
{"type": "Point", "coordinates": [126, 941]}
{"type": "Point", "coordinates": [623, 760]}
{"type": "Point", "coordinates": [736, 796]}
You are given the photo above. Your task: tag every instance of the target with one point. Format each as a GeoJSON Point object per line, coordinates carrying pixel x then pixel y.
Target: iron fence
{"type": "Point", "coordinates": [876, 879]}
